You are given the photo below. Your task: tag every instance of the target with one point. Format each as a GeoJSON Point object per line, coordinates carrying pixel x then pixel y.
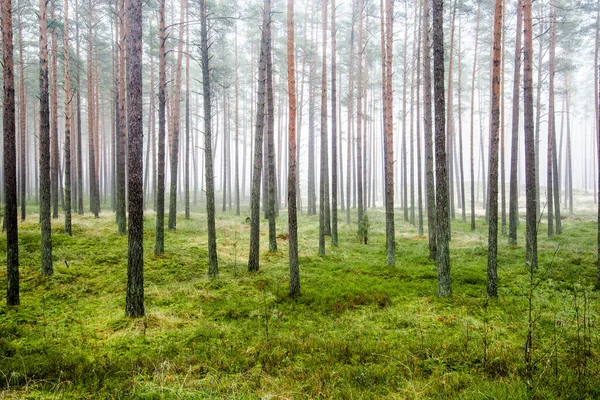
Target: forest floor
{"type": "Point", "coordinates": [359, 330]}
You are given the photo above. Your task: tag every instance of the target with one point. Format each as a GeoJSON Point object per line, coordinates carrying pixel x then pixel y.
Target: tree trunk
{"type": "Point", "coordinates": [68, 98]}
{"type": "Point", "coordinates": [450, 118]}
{"type": "Point", "coordinates": [324, 175]}
{"type": "Point", "coordinates": [22, 118]}
{"type": "Point", "coordinates": [359, 116]}
{"type": "Point", "coordinates": [502, 132]}
{"type": "Point", "coordinates": [492, 268]}
{"type": "Point", "coordinates": [135, 152]}
{"type": "Point", "coordinates": [388, 117]}
{"type": "Point", "coordinates": [10, 158]}
{"type": "Point", "coordinates": [45, 196]}
{"type": "Point", "coordinates": [253, 258]}
{"type": "Point", "coordinates": [334, 133]}
{"type": "Point", "coordinates": [271, 177]}
{"type": "Point", "coordinates": [568, 161]}
{"type": "Point", "coordinates": [538, 116]}
{"type": "Point", "coordinates": [442, 222]}
{"type": "Point", "coordinates": [292, 214]}
{"type": "Point", "coordinates": [121, 126]}
{"type": "Point", "coordinates": [419, 149]}
{"type": "Point", "coordinates": [55, 157]}
{"type": "Point", "coordinates": [551, 123]}
{"type": "Point", "coordinates": [237, 129]}
{"type": "Point", "coordinates": [412, 125]}
{"type": "Point", "coordinates": [349, 171]}
{"type": "Point", "coordinates": [513, 209]}
{"type": "Point", "coordinates": [159, 246]}
{"type": "Point", "coordinates": [79, 129]}
{"type": "Point", "coordinates": [312, 199]}
{"type": "Point", "coordinates": [530, 157]}
{"type": "Point", "coordinates": [176, 120]}
{"type": "Point", "coordinates": [463, 201]}
{"type": "Point", "coordinates": [404, 186]}
{"type": "Point", "coordinates": [473, 119]}
{"type": "Point", "coordinates": [428, 130]}
{"type": "Point", "coordinates": [93, 181]}
{"type": "Point", "coordinates": [187, 122]}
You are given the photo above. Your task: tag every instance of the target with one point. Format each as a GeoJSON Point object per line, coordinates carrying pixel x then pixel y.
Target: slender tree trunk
{"type": "Point", "coordinates": [551, 123]}
{"type": "Point", "coordinates": [176, 123]}
{"type": "Point", "coordinates": [150, 169]}
{"type": "Point", "coordinates": [412, 125]}
{"type": "Point", "coordinates": [271, 177]}
{"type": "Point", "coordinates": [404, 186]}
{"type": "Point", "coordinates": [292, 214]}
{"type": "Point", "coordinates": [442, 221]}
{"type": "Point", "coordinates": [135, 152]}
{"type": "Point", "coordinates": [419, 149]}
{"type": "Point", "coordinates": [538, 115]}
{"type": "Point", "coordinates": [213, 266]}
{"type": "Point", "coordinates": [472, 141]}
{"type": "Point", "coordinates": [334, 133]}
{"type": "Point", "coordinates": [45, 195]}
{"type": "Point", "coordinates": [55, 157]}
{"type": "Point", "coordinates": [187, 123]}
{"type": "Point", "coordinates": [93, 180]}
{"type": "Point", "coordinates": [463, 201]}
{"type": "Point", "coordinates": [10, 158]}
{"type": "Point", "coordinates": [349, 170]}
{"type": "Point", "coordinates": [388, 112]}
{"type": "Point", "coordinates": [513, 208]}
{"type": "Point", "coordinates": [450, 117]}
{"type": "Point", "coordinates": [36, 144]}
{"type": "Point", "coordinates": [121, 126]}
{"type": "Point", "coordinates": [79, 128]}
{"type": "Point", "coordinates": [68, 98]}
{"type": "Point", "coordinates": [359, 116]}
{"type": "Point", "coordinates": [324, 175]}
{"type": "Point", "coordinates": [159, 247]}
{"type": "Point", "coordinates": [225, 141]}
{"type": "Point", "coordinates": [502, 131]}
{"type": "Point", "coordinates": [597, 132]}
{"type": "Point", "coordinates": [237, 129]}
{"type": "Point", "coordinates": [22, 118]}
{"type": "Point", "coordinates": [492, 268]}
{"type": "Point", "coordinates": [428, 130]}
{"type": "Point", "coordinates": [568, 161]}
{"type": "Point", "coordinates": [530, 157]}
{"type": "Point", "coordinates": [312, 199]}
{"type": "Point", "coordinates": [253, 258]}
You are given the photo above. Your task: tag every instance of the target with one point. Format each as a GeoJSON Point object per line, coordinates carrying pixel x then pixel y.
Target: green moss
{"type": "Point", "coordinates": [359, 330]}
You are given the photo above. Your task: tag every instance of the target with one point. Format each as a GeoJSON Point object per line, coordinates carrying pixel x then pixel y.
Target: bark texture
{"type": "Point", "coordinates": [441, 172]}
{"type": "Point", "coordinates": [213, 265]}
{"type": "Point", "coordinates": [135, 185]}
{"type": "Point", "coordinates": [292, 212]}
{"type": "Point", "coordinates": [10, 158]}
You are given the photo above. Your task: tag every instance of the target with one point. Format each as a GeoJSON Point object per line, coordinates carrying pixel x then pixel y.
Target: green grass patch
{"type": "Point", "coordinates": [360, 329]}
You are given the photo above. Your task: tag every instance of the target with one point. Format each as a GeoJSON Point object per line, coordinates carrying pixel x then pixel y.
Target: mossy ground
{"type": "Point", "coordinates": [360, 329]}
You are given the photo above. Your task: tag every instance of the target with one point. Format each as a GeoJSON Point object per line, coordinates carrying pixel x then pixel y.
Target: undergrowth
{"type": "Point", "coordinates": [360, 329]}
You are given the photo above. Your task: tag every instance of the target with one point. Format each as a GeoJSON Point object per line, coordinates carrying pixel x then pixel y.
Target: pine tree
{"type": "Point", "coordinates": [45, 196]}
{"type": "Point", "coordinates": [292, 213]}
{"type": "Point", "coordinates": [135, 185]}
{"type": "Point", "coordinates": [10, 158]}
{"type": "Point", "coordinates": [492, 268]}
{"type": "Point", "coordinates": [213, 265]}
{"type": "Point", "coordinates": [442, 221]}
{"type": "Point", "coordinates": [253, 258]}
{"type": "Point", "coordinates": [530, 160]}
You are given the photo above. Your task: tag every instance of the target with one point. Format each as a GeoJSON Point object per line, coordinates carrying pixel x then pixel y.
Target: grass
{"type": "Point", "coordinates": [360, 329]}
